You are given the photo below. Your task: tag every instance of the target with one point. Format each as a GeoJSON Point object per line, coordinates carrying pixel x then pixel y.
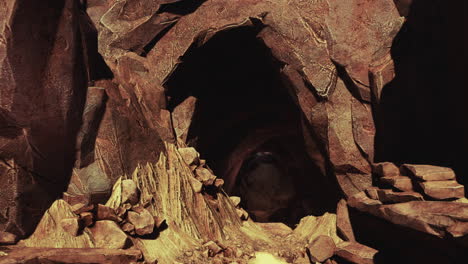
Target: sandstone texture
{"type": "Point", "coordinates": [356, 253]}
{"type": "Point", "coordinates": [222, 131]}
{"type": "Point", "coordinates": [321, 249]}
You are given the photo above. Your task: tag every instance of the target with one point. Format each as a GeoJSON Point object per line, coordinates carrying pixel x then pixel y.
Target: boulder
{"type": "Point", "coordinates": [389, 196]}
{"type": "Point", "coordinates": [385, 169]}
{"type": "Point", "coordinates": [235, 200]}
{"type": "Point", "coordinates": [363, 203]}
{"type": "Point", "coordinates": [190, 156]}
{"type": "Point", "coordinates": [7, 238]}
{"type": "Point", "coordinates": [143, 221]}
{"type": "Point", "coordinates": [128, 228]}
{"type": "Point", "coordinates": [80, 208]}
{"type": "Point", "coordinates": [218, 183]}
{"type": "Point", "coordinates": [373, 193]}
{"type": "Point", "coordinates": [52, 233]}
{"type": "Point", "coordinates": [355, 253]}
{"type": "Point", "coordinates": [442, 190]}
{"type": "Point", "coordinates": [121, 211]}
{"type": "Point", "coordinates": [107, 234]}
{"type": "Point", "coordinates": [428, 172]}
{"type": "Point", "coordinates": [76, 200]}
{"type": "Point", "coordinates": [438, 218]}
{"type": "Point", "coordinates": [343, 223]}
{"type": "Point", "coordinates": [130, 192]}
{"type": "Point", "coordinates": [196, 185]}
{"type": "Point", "coordinates": [106, 213]}
{"type": "Point", "coordinates": [205, 176]}
{"type": "Point", "coordinates": [401, 183]}
{"type": "Point", "coordinates": [213, 248]}
{"type": "Point", "coordinates": [311, 227]}
{"type": "Point", "coordinates": [321, 249]}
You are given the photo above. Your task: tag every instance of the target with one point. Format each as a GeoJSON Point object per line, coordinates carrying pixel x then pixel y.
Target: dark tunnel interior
{"type": "Point", "coordinates": [248, 128]}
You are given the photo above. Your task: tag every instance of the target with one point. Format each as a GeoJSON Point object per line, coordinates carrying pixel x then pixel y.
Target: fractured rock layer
{"type": "Point", "coordinates": [319, 87]}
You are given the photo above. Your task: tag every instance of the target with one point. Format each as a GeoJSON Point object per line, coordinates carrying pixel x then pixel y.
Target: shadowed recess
{"type": "Point", "coordinates": [248, 128]}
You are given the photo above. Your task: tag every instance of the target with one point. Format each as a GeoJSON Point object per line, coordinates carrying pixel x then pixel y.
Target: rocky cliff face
{"type": "Point", "coordinates": [165, 130]}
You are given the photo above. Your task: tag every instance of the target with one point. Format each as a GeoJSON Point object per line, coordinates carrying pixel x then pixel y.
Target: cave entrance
{"type": "Point", "coordinates": [248, 127]}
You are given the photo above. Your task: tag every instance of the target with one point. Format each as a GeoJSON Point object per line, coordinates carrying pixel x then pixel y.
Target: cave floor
{"type": "Point", "coordinates": [272, 243]}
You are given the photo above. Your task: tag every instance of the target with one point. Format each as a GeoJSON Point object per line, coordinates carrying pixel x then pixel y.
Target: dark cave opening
{"type": "Point", "coordinates": [248, 128]}
{"type": "Point", "coordinates": [418, 120]}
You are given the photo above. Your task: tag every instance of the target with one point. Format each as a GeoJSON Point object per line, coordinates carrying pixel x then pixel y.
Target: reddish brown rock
{"type": "Point", "coordinates": [121, 211]}
{"type": "Point", "coordinates": [343, 223]}
{"type": "Point", "coordinates": [52, 232]}
{"type": "Point", "coordinates": [107, 234]}
{"type": "Point", "coordinates": [130, 192]}
{"type": "Point", "coordinates": [278, 229]}
{"type": "Point", "coordinates": [135, 117]}
{"type": "Point", "coordinates": [205, 176]}
{"type": "Point", "coordinates": [128, 228]}
{"type": "Point", "coordinates": [432, 217]}
{"type": "Point", "coordinates": [106, 213]}
{"type": "Point", "coordinates": [190, 156]}
{"type": "Point", "coordinates": [86, 219]}
{"type": "Point", "coordinates": [363, 203]}
{"type": "Point", "coordinates": [442, 190]}
{"type": "Point", "coordinates": [70, 225]}
{"type": "Point", "coordinates": [401, 183]}
{"type": "Point", "coordinates": [428, 172]}
{"type": "Point", "coordinates": [381, 72]}
{"type": "Point", "coordinates": [363, 128]}
{"type": "Point", "coordinates": [385, 169]}
{"type": "Point", "coordinates": [46, 60]}
{"type": "Point", "coordinates": [7, 238]}
{"type": "Point", "coordinates": [356, 253]}
{"type": "Point", "coordinates": [352, 170]}
{"type": "Point", "coordinates": [389, 196]}
{"type": "Point", "coordinates": [182, 117]}
{"type": "Point", "coordinates": [90, 182]}
{"type": "Point", "coordinates": [143, 222]}
{"type": "Point", "coordinates": [75, 200]}
{"type": "Point", "coordinates": [321, 249]}
{"type": "Point", "coordinates": [96, 98]}
{"type": "Point", "coordinates": [218, 183]}
{"type": "Point", "coordinates": [304, 66]}
{"type": "Point", "coordinates": [71, 255]}
{"type": "Point", "coordinates": [213, 248]}
{"type": "Point", "coordinates": [196, 185]}
{"type": "Point", "coordinates": [379, 44]}
{"type": "Point", "coordinates": [373, 193]}
{"type": "Point", "coordinates": [131, 25]}
{"type": "Point", "coordinates": [81, 208]}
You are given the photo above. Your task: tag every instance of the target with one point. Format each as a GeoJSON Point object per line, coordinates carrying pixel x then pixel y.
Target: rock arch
{"type": "Point", "coordinates": [242, 105]}
{"type": "Point", "coordinates": [331, 89]}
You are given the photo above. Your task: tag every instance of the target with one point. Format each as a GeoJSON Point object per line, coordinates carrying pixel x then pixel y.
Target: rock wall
{"type": "Point", "coordinates": [43, 81]}
{"type": "Point", "coordinates": [87, 98]}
